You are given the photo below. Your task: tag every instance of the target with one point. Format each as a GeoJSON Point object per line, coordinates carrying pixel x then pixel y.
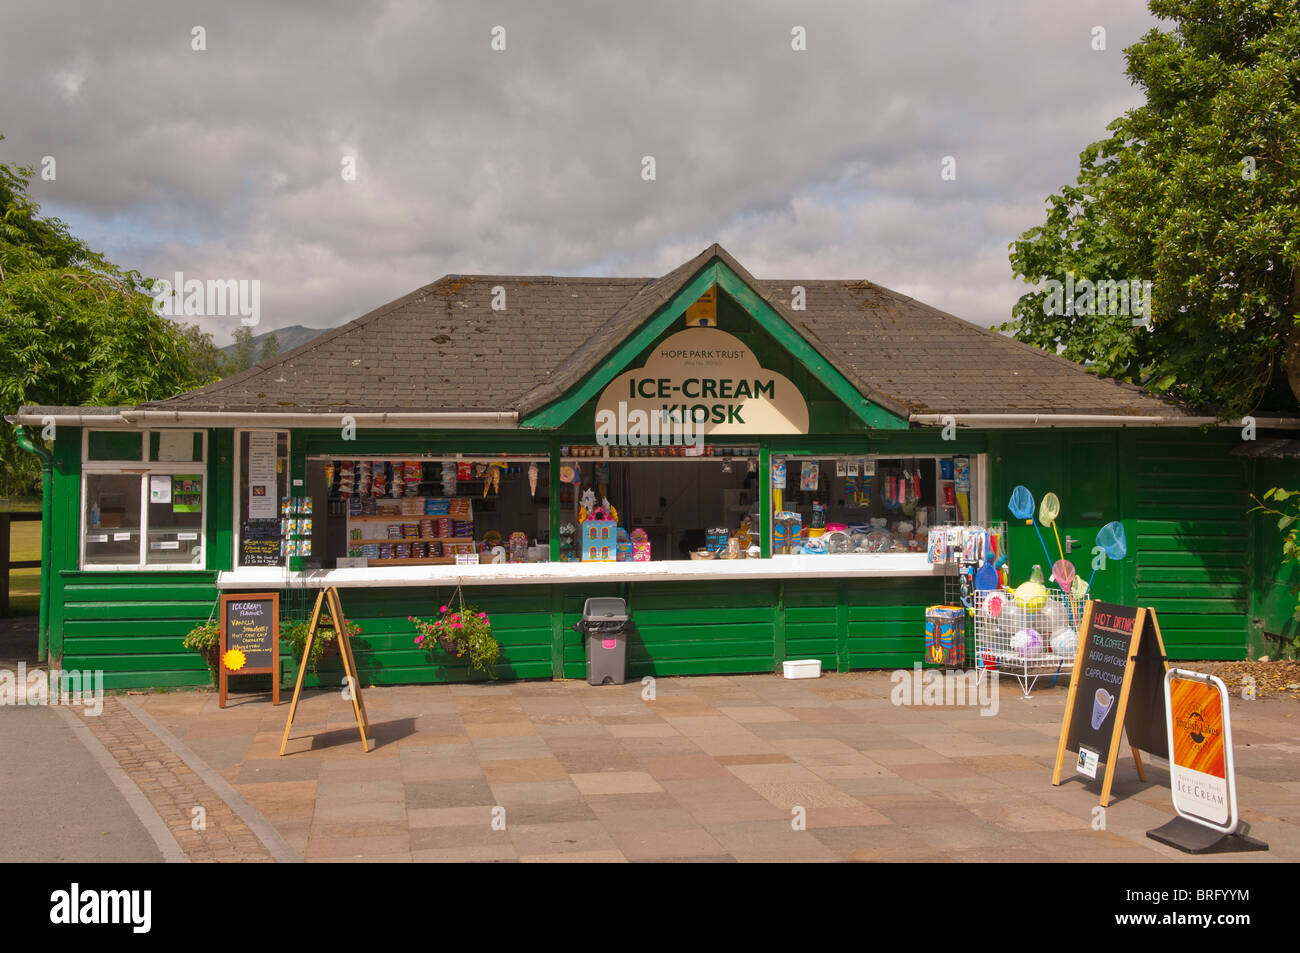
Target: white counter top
{"type": "Point", "coordinates": [514, 574]}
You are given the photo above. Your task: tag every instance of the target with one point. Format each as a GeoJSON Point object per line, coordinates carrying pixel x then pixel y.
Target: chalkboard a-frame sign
{"type": "Point", "coordinates": [1117, 688]}
{"type": "Point", "coordinates": [250, 640]}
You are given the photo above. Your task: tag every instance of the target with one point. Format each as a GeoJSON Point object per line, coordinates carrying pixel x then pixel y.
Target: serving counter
{"type": "Point", "coordinates": [881, 565]}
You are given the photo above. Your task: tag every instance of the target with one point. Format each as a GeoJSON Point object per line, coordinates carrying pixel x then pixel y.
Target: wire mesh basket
{"type": "Point", "coordinates": [1026, 642]}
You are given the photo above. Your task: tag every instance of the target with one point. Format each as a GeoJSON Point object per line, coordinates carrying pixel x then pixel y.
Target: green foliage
{"type": "Point", "coordinates": [75, 329]}
{"type": "Point", "coordinates": [295, 633]}
{"type": "Point", "coordinates": [464, 630]}
{"type": "Point", "coordinates": [205, 639]}
{"type": "Point", "coordinates": [1197, 191]}
{"type": "Point", "coordinates": [244, 354]}
{"type": "Point", "coordinates": [1286, 507]}
{"type": "Point", "coordinates": [270, 347]}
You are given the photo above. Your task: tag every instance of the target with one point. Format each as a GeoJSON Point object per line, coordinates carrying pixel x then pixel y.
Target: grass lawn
{"type": "Point", "coordinates": [24, 543]}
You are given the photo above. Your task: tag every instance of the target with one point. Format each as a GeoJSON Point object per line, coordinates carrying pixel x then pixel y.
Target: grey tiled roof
{"type": "Point", "coordinates": [443, 348]}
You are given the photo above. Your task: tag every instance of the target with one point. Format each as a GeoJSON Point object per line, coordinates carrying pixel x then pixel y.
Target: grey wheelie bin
{"type": "Point", "coordinates": [604, 625]}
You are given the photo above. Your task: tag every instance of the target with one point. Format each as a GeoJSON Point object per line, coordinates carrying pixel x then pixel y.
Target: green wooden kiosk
{"type": "Point", "coordinates": [514, 385]}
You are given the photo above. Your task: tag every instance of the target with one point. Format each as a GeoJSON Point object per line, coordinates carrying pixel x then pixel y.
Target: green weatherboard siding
{"type": "Point", "coordinates": [1193, 555]}
{"type": "Point", "coordinates": [1182, 498]}
{"type": "Point", "coordinates": [1192, 544]}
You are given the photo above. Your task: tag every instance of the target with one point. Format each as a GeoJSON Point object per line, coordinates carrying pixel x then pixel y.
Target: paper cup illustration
{"type": "Point", "coordinates": [1101, 703]}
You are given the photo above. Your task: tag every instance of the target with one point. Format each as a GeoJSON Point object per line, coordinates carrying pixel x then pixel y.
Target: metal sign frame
{"type": "Point", "coordinates": [1228, 767]}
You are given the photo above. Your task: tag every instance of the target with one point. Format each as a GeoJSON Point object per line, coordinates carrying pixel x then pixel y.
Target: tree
{"type": "Point", "coordinates": [270, 347]}
{"type": "Point", "coordinates": [206, 358]}
{"type": "Point", "coordinates": [74, 328]}
{"type": "Point", "coordinates": [1198, 192]}
{"type": "Point", "coordinates": [242, 357]}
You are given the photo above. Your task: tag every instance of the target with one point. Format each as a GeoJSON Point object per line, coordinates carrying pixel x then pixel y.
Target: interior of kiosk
{"type": "Point", "coordinates": [389, 510]}
{"type": "Point", "coordinates": [862, 504]}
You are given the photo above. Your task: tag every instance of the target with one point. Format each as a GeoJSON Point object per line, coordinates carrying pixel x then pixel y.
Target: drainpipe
{"type": "Point", "coordinates": [47, 534]}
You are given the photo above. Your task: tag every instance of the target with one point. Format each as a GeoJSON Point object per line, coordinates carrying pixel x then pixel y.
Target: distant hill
{"type": "Point", "coordinates": [288, 338]}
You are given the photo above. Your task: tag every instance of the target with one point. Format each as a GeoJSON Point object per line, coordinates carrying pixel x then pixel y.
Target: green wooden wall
{"type": "Point", "coordinates": [1194, 556]}
{"type": "Point", "coordinates": [1193, 566]}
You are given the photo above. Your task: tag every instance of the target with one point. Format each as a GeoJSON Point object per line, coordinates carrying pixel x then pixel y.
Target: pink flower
{"type": "Point", "coordinates": [419, 638]}
{"type": "Point", "coordinates": [443, 609]}
{"type": "Point", "coordinates": [482, 615]}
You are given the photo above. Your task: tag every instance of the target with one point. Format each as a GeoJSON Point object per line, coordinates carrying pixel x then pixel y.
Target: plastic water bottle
{"type": "Point", "coordinates": [94, 515]}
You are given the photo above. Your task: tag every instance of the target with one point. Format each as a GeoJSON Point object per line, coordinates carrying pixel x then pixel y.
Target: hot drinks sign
{"type": "Point", "coordinates": [699, 381]}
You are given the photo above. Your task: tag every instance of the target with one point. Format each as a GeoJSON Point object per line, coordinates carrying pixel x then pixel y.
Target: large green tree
{"type": "Point", "coordinates": [1198, 192]}
{"type": "Point", "coordinates": [75, 329]}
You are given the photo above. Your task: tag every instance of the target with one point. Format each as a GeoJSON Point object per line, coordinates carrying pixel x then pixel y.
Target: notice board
{"type": "Point", "coordinates": [250, 639]}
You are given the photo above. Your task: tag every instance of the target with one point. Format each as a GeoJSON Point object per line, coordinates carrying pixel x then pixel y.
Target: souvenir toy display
{"type": "Point", "coordinates": [945, 631]}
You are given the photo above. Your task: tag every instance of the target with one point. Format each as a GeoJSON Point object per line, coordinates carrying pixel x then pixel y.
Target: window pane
{"type": "Point", "coordinates": [113, 445]}
{"type": "Point", "coordinates": [176, 446]}
{"type": "Point", "coordinates": [175, 518]}
{"type": "Point", "coordinates": [112, 519]}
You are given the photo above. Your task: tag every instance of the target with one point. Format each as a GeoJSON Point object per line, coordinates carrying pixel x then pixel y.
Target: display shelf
{"type": "Point", "coordinates": [402, 518]}
{"type": "Point", "coordinates": [426, 561]}
{"type": "Point", "coordinates": [412, 539]}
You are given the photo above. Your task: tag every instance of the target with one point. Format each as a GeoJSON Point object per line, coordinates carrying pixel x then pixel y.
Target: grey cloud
{"type": "Point", "coordinates": [825, 163]}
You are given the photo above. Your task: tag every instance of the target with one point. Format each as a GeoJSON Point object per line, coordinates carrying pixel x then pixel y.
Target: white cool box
{"type": "Point", "coordinates": [804, 668]}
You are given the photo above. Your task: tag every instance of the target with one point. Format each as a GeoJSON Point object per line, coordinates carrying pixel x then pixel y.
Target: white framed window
{"type": "Point", "coordinates": [143, 499]}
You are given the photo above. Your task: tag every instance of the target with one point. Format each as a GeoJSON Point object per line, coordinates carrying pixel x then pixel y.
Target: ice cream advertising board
{"type": "Point", "coordinates": [1200, 745]}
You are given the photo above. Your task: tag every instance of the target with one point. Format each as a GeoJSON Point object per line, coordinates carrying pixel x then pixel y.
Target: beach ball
{"type": "Point", "coordinates": [1032, 595]}
{"type": "Point", "coordinates": [1052, 618]}
{"type": "Point", "coordinates": [1010, 621]}
{"type": "Point", "coordinates": [1027, 642]}
{"type": "Point", "coordinates": [1065, 642]}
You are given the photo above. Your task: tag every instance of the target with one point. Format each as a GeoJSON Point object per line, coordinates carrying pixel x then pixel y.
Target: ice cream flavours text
{"type": "Point", "coordinates": [693, 388]}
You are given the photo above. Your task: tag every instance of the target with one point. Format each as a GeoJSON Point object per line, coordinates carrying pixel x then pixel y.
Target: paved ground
{"type": "Point", "coordinates": [717, 768]}
{"type": "Point", "coordinates": [198, 818]}
{"type": "Point", "coordinates": [56, 802]}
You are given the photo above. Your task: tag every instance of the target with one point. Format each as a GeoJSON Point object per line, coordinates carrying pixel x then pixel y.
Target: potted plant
{"type": "Point", "coordinates": [205, 639]}
{"type": "Point", "coordinates": [294, 631]}
{"type": "Point", "coordinates": [463, 632]}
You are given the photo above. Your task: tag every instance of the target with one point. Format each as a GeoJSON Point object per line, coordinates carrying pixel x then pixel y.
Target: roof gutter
{"type": "Point", "coordinates": [62, 419]}
{"type": "Point", "coordinates": [1014, 421]}
{"type": "Point", "coordinates": [466, 420]}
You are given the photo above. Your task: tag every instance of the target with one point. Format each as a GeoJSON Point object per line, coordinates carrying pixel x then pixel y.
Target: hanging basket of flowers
{"type": "Point", "coordinates": [460, 631]}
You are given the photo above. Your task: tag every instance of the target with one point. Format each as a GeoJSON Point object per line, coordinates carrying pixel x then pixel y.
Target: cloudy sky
{"type": "Point", "coordinates": [228, 162]}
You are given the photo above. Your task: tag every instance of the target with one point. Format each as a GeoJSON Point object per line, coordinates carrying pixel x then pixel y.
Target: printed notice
{"type": "Point", "coordinates": [262, 475]}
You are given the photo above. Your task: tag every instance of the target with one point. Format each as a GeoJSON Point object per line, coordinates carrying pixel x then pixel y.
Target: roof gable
{"type": "Point", "coordinates": [653, 311]}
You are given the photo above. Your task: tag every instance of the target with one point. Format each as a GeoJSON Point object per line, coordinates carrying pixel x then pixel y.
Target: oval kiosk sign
{"type": "Point", "coordinates": [705, 378]}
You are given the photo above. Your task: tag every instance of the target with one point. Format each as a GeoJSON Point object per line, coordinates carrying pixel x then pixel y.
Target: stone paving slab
{"type": "Point", "coordinates": [714, 769]}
